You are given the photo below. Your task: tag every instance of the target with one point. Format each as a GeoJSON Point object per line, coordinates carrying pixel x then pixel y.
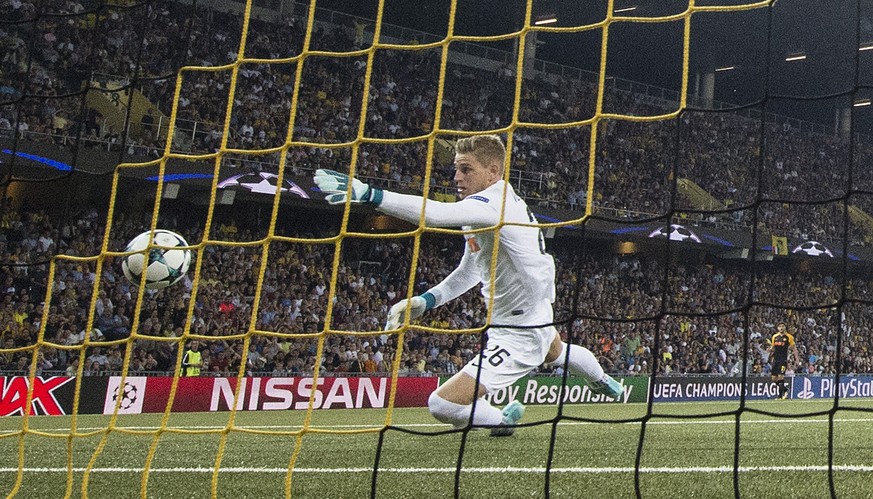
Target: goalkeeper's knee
{"type": "Point", "coordinates": [451, 413]}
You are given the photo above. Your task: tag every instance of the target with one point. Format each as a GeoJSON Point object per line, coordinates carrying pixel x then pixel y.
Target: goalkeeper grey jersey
{"type": "Point", "coordinates": [524, 274]}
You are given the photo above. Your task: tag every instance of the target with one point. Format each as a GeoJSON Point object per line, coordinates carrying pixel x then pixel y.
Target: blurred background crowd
{"type": "Point", "coordinates": [629, 309]}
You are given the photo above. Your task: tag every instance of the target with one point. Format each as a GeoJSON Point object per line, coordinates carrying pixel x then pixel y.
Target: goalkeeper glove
{"type": "Point", "coordinates": [336, 187]}
{"type": "Point", "coordinates": [417, 306]}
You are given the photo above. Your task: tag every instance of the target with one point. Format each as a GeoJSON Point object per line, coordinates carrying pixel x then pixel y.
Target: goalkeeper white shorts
{"type": "Point", "coordinates": [510, 354]}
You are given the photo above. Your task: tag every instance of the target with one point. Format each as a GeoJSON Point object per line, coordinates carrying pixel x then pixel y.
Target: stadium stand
{"type": "Point", "coordinates": [295, 295]}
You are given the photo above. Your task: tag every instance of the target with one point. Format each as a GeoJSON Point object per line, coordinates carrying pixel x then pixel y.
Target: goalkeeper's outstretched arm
{"type": "Point", "coordinates": [454, 285]}
{"type": "Point", "coordinates": [473, 211]}
{"type": "Point", "coordinates": [469, 211]}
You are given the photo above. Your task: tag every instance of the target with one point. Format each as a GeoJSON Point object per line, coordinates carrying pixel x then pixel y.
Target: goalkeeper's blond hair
{"type": "Point", "coordinates": [485, 148]}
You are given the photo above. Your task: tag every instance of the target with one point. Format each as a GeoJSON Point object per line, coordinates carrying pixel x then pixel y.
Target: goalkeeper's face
{"type": "Point", "coordinates": [472, 176]}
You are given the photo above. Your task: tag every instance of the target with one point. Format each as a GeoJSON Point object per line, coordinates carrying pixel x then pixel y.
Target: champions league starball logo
{"type": "Point", "coordinates": [262, 183]}
{"type": "Point", "coordinates": [813, 248]}
{"type": "Point", "coordinates": [129, 395]}
{"type": "Point", "coordinates": [675, 232]}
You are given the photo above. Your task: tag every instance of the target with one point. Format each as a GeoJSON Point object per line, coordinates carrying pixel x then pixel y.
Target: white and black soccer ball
{"type": "Point", "coordinates": [676, 232]}
{"type": "Point", "coordinates": [813, 248]}
{"type": "Point", "coordinates": [167, 264]}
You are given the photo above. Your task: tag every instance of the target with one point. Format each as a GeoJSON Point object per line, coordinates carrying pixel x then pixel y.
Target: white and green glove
{"type": "Point", "coordinates": [335, 186]}
{"type": "Point", "coordinates": [417, 306]}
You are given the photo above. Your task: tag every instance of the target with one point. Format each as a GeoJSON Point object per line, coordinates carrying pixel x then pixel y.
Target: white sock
{"type": "Point", "coordinates": [582, 362]}
{"type": "Point", "coordinates": [458, 415]}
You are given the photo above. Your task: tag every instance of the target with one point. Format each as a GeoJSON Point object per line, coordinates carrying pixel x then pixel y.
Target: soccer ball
{"type": "Point", "coordinates": [166, 265]}
{"type": "Point", "coordinates": [813, 248]}
{"type": "Point", "coordinates": [676, 232]}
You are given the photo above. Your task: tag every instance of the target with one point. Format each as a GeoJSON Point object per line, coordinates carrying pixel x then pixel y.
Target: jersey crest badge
{"type": "Point", "coordinates": [473, 244]}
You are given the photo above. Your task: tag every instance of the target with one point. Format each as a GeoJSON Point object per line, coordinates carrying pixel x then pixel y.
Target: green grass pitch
{"type": "Point", "coordinates": [782, 453]}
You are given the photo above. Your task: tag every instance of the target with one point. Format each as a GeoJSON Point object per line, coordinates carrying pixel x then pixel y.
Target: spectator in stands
{"type": "Point", "coordinates": [97, 356]}
{"type": "Point", "coordinates": [73, 368]}
{"type": "Point", "coordinates": [42, 364]}
{"type": "Point", "coordinates": [94, 369]}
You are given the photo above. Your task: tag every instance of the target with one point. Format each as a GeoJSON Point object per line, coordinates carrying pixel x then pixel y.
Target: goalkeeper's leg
{"type": "Point", "coordinates": [460, 396]}
{"type": "Point", "coordinates": [502, 423]}
{"type": "Point", "coordinates": [452, 403]}
{"type": "Point", "coordinates": [580, 361]}
{"type": "Point", "coordinates": [458, 415]}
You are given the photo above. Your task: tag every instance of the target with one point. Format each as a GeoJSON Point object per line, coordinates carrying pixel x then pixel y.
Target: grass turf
{"type": "Point", "coordinates": [688, 450]}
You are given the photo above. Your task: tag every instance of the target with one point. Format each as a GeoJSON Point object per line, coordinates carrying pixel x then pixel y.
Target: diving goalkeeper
{"type": "Point", "coordinates": [521, 336]}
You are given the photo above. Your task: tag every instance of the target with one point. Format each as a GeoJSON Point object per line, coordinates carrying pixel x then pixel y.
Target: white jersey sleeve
{"type": "Point", "coordinates": [462, 279]}
{"type": "Point", "coordinates": [468, 211]}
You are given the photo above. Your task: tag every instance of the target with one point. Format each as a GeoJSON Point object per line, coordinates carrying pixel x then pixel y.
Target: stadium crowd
{"type": "Point", "coordinates": [731, 156]}
{"type": "Point", "coordinates": [725, 153]}
{"type": "Point", "coordinates": [628, 309]}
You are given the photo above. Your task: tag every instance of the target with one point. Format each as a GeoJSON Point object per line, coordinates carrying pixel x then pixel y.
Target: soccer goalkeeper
{"type": "Point", "coordinates": [521, 336]}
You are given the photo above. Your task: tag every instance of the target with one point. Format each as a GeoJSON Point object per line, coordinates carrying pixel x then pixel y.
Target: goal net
{"type": "Point", "coordinates": [685, 223]}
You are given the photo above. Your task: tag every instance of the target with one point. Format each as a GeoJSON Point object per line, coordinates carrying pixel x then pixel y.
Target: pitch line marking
{"type": "Point", "coordinates": [438, 425]}
{"type": "Point", "coordinates": [605, 470]}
